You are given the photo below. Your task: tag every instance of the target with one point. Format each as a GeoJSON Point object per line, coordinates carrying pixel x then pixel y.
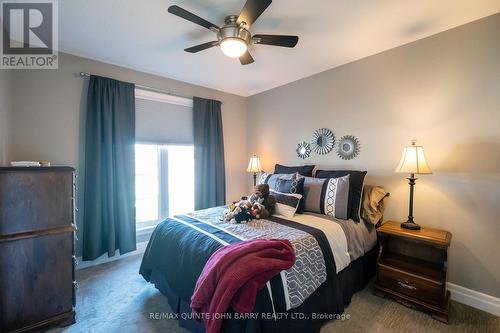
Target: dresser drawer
{"type": "Point", "coordinates": [35, 200]}
{"type": "Point", "coordinates": [36, 279]}
{"type": "Point", "coordinates": [431, 292]}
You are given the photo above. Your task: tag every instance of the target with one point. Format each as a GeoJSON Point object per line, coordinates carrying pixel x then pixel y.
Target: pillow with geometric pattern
{"type": "Point", "coordinates": [284, 183]}
{"type": "Point", "coordinates": [356, 180]}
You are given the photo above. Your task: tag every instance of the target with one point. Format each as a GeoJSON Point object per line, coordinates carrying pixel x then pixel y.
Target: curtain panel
{"type": "Point", "coordinates": [109, 205]}
{"type": "Point", "coordinates": [209, 177]}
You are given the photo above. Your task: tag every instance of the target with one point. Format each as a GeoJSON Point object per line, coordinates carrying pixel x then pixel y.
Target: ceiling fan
{"type": "Point", "coordinates": [234, 37]}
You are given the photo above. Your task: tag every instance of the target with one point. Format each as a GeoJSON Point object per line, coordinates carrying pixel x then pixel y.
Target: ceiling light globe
{"type": "Point", "coordinates": [233, 47]}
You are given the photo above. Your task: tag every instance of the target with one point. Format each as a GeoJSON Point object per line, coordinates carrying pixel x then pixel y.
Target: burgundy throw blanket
{"type": "Point", "coordinates": [234, 274]}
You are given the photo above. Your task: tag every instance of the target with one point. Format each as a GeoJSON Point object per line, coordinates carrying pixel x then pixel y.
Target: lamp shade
{"type": "Point", "coordinates": [254, 165]}
{"type": "Point", "coordinates": [413, 160]}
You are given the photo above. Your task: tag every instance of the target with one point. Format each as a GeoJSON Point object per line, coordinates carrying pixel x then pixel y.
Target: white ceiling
{"type": "Point", "coordinates": [142, 35]}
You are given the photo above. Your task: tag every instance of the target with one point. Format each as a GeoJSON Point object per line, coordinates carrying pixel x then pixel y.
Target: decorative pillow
{"type": "Point", "coordinates": [284, 183]}
{"type": "Point", "coordinates": [265, 178]}
{"type": "Point", "coordinates": [328, 196]}
{"type": "Point", "coordinates": [372, 209]}
{"type": "Point", "coordinates": [356, 182]}
{"type": "Point", "coordinates": [286, 203]}
{"type": "Point", "coordinates": [304, 170]}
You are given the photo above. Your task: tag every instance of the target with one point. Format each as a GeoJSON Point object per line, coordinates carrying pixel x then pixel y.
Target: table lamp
{"type": "Point", "coordinates": [254, 166]}
{"type": "Point", "coordinates": [412, 162]}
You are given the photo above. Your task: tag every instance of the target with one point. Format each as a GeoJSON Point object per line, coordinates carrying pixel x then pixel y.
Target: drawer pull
{"type": "Point", "coordinates": [407, 285]}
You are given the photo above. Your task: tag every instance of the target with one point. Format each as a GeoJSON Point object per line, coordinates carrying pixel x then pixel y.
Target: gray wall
{"type": "Point", "coordinates": [49, 104]}
{"type": "Point", "coordinates": [444, 91]}
{"type": "Point", "coordinates": [5, 114]}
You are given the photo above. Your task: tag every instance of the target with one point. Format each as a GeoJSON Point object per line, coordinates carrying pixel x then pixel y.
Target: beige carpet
{"type": "Point", "coordinates": [113, 297]}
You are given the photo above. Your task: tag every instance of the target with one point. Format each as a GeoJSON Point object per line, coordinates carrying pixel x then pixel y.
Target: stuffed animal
{"type": "Point", "coordinates": [262, 196]}
{"type": "Point", "coordinates": [258, 194]}
{"type": "Point", "coordinates": [239, 212]}
{"type": "Point", "coordinates": [259, 211]}
{"type": "Point", "coordinates": [260, 205]}
{"type": "Point", "coordinates": [244, 215]}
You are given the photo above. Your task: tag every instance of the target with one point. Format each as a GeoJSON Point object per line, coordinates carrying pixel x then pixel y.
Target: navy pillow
{"type": "Point", "coordinates": [285, 183]}
{"type": "Point", "coordinates": [356, 181]}
{"type": "Point", "coordinates": [293, 186]}
{"type": "Point", "coordinates": [304, 170]}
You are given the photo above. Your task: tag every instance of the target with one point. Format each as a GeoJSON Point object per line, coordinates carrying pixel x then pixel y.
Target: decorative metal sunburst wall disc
{"type": "Point", "coordinates": [322, 141]}
{"type": "Point", "coordinates": [348, 147]}
{"type": "Point", "coordinates": [303, 150]}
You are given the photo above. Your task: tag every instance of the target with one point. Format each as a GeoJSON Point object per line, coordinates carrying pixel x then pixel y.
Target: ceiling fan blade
{"type": "Point", "coordinates": [252, 10]}
{"type": "Point", "coordinates": [246, 58]}
{"type": "Point", "coordinates": [176, 10]}
{"type": "Point", "coordinates": [276, 40]}
{"type": "Point", "coordinates": [201, 47]}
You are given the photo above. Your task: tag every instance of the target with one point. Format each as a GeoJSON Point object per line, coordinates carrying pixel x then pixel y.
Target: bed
{"type": "Point", "coordinates": [335, 258]}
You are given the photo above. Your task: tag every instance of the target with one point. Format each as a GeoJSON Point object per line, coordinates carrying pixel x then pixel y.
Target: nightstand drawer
{"type": "Point", "coordinates": [419, 288]}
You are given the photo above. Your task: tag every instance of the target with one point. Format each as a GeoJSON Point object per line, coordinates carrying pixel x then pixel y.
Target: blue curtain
{"type": "Point", "coordinates": [209, 177]}
{"type": "Point", "coordinates": [109, 205]}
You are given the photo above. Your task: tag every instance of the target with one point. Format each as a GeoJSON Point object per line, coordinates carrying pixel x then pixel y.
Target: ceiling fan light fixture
{"type": "Point", "coordinates": [234, 36]}
{"type": "Point", "coordinates": [233, 47]}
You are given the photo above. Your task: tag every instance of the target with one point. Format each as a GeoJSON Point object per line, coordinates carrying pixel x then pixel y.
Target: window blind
{"type": "Point", "coordinates": [162, 122]}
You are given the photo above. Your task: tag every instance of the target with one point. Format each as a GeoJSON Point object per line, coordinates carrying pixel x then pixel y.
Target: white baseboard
{"type": "Point", "coordinates": [475, 299]}
{"type": "Point", "coordinates": [141, 247]}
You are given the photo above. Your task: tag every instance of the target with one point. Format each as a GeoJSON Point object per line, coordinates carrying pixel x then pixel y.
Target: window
{"type": "Point", "coordinates": [164, 182]}
{"type": "Point", "coordinates": [180, 179]}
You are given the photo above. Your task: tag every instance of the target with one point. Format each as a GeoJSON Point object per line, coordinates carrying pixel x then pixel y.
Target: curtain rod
{"type": "Point", "coordinates": [84, 74]}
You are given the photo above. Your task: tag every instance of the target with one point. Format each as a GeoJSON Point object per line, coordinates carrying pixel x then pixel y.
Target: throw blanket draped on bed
{"type": "Point", "coordinates": [234, 274]}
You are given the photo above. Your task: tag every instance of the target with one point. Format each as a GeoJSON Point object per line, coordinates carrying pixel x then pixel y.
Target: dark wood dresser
{"type": "Point", "coordinates": [37, 276]}
{"type": "Point", "coordinates": [412, 268]}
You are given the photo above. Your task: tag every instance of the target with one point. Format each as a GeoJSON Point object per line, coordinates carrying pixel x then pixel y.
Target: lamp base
{"type": "Point", "coordinates": [410, 225]}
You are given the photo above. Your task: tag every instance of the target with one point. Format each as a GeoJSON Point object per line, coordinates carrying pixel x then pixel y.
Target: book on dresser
{"type": "Point", "coordinates": [412, 268]}
{"type": "Point", "coordinates": [37, 278]}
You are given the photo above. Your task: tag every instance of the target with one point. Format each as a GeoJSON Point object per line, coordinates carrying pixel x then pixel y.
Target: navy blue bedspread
{"type": "Point", "coordinates": [179, 248]}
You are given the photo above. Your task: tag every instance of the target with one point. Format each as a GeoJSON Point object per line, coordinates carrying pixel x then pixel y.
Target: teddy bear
{"type": "Point", "coordinates": [262, 196]}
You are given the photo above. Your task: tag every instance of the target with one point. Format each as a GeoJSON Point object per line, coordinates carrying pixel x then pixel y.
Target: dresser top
{"type": "Point", "coordinates": [428, 235]}
{"type": "Point", "coordinates": [50, 168]}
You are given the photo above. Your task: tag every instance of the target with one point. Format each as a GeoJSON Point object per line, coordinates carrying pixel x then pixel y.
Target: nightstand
{"type": "Point", "coordinates": [412, 267]}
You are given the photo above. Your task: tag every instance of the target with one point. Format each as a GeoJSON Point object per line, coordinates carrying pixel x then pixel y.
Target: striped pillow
{"type": "Point", "coordinates": [328, 196]}
{"type": "Point", "coordinates": [356, 182]}
{"type": "Point", "coordinates": [286, 203]}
